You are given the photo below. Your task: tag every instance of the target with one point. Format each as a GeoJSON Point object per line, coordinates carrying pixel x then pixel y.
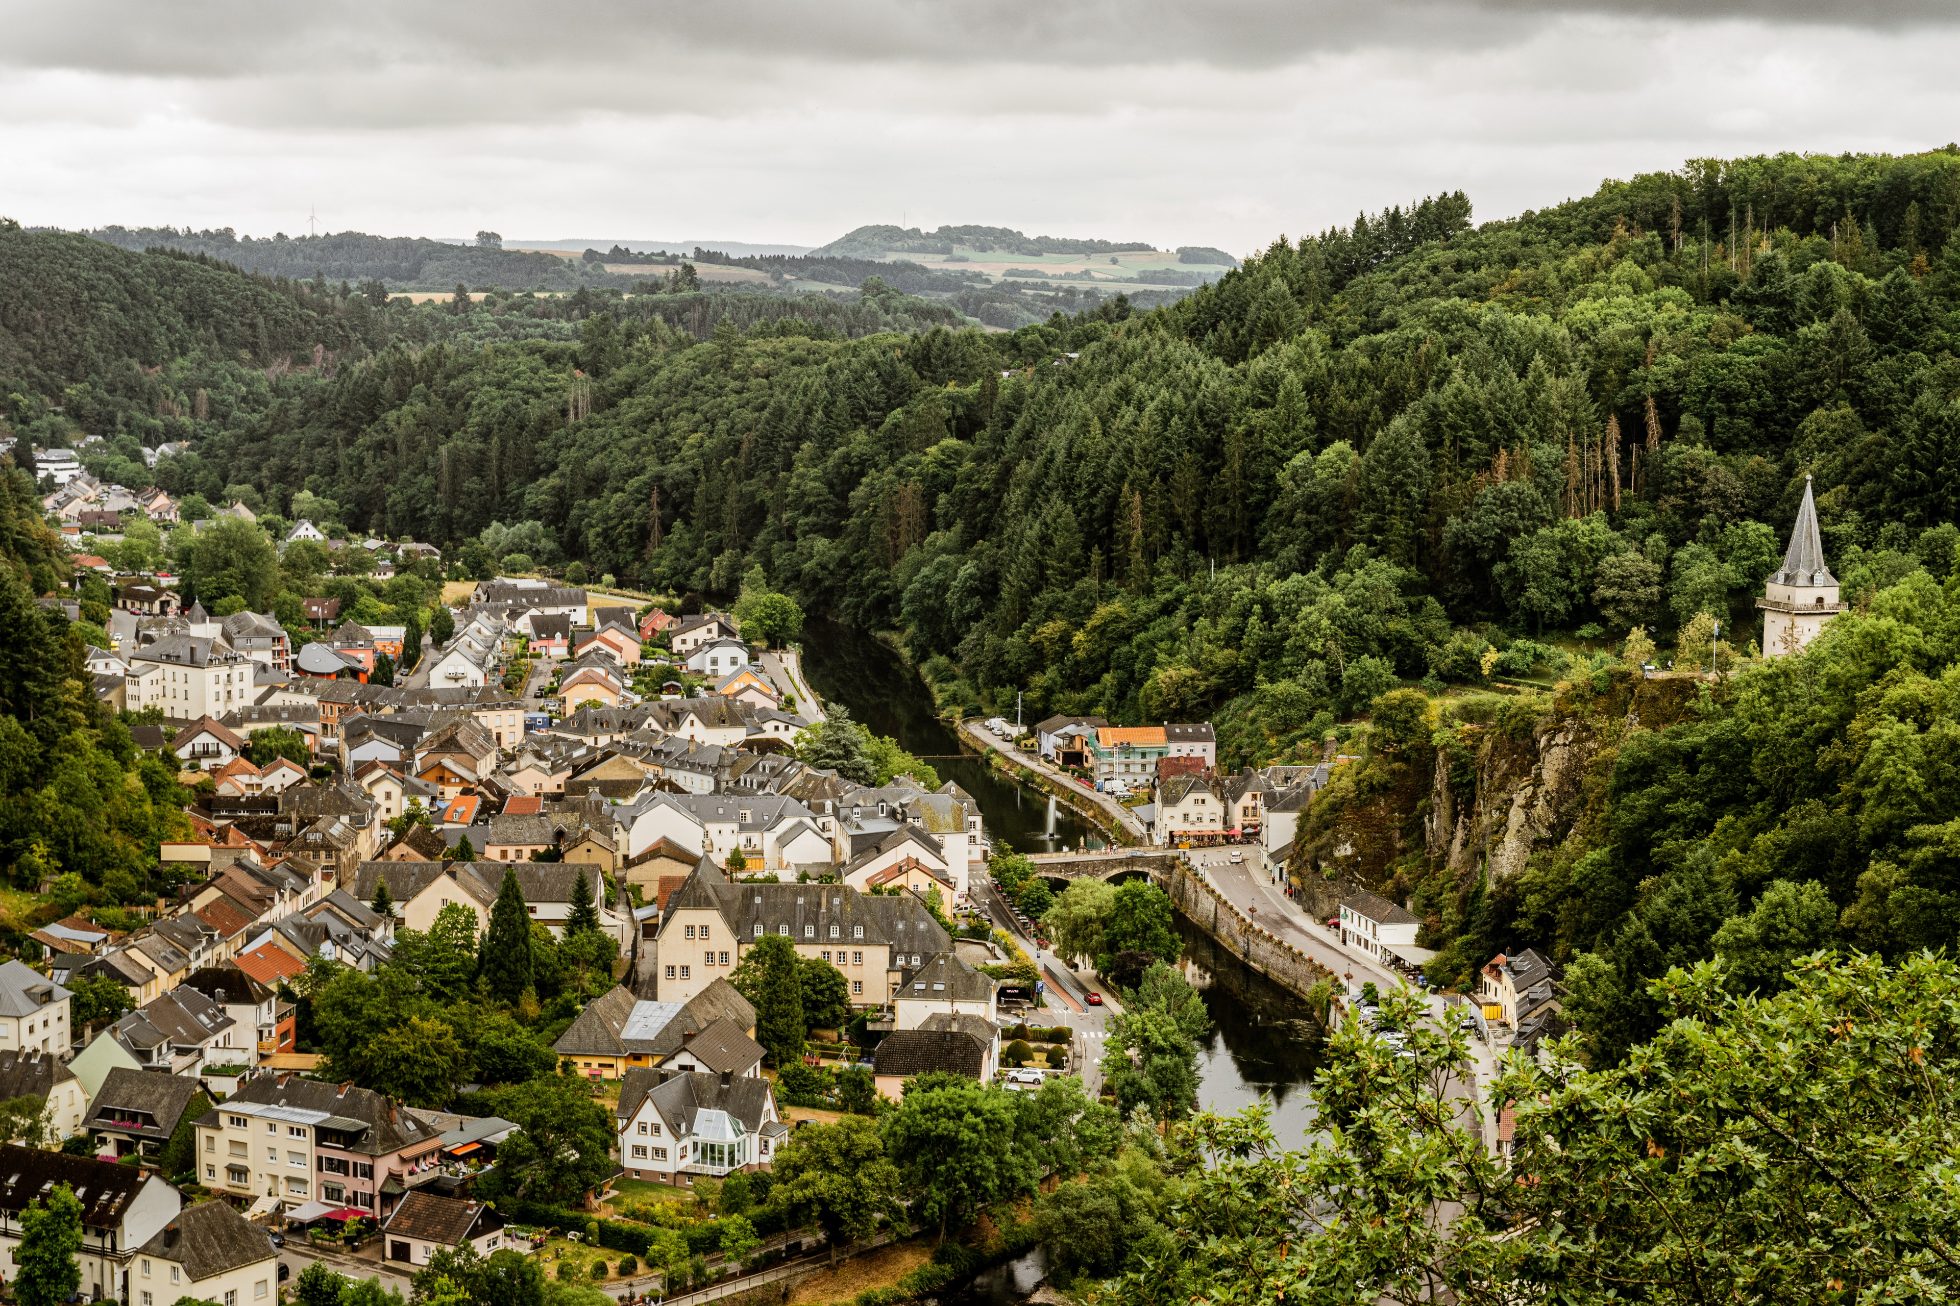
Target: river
{"type": "Point", "coordinates": [1264, 1045]}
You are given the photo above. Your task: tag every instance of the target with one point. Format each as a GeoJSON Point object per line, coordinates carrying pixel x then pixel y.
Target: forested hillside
{"type": "Point", "coordinates": [403, 262]}
{"type": "Point", "coordinates": [1412, 452]}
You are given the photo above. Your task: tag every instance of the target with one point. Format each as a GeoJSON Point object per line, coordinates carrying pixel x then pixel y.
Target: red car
{"type": "Point", "coordinates": [1084, 782]}
{"type": "Point", "coordinates": [1095, 999]}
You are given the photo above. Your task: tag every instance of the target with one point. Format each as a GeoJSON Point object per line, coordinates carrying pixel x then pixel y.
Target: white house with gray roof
{"type": "Point", "coordinates": [33, 1012]}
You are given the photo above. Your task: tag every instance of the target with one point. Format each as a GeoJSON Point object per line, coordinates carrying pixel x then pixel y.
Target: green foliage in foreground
{"type": "Point", "coordinates": [1788, 1148]}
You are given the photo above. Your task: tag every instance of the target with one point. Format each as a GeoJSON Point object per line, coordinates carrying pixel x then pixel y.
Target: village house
{"type": "Point", "coordinates": [425, 1223]}
{"type": "Point", "coordinates": [137, 1111]}
{"type": "Point", "coordinates": [122, 1208]}
{"type": "Point", "coordinates": [47, 1078]}
{"type": "Point", "coordinates": [592, 682]}
{"type": "Point", "coordinates": [677, 1128]}
{"type": "Point", "coordinates": [189, 677]}
{"type": "Point", "coordinates": [721, 658]}
{"type": "Point", "coordinates": [617, 1032]}
{"type": "Point", "coordinates": [207, 1253]}
{"type": "Point", "coordinates": [33, 1012]}
{"type": "Point", "coordinates": [298, 1139]}
{"type": "Point", "coordinates": [872, 939]}
{"type": "Point", "coordinates": [944, 1043]}
{"type": "Point", "coordinates": [1381, 929]}
{"type": "Point", "coordinates": [1516, 987]}
{"type": "Point", "coordinates": [206, 745]}
{"type": "Point", "coordinates": [696, 632]}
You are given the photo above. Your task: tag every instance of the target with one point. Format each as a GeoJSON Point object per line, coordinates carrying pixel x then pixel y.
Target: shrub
{"type": "Point", "coordinates": [1016, 1053]}
{"type": "Point", "coordinates": [629, 1265]}
{"type": "Point", "coordinates": [1060, 1034]}
{"type": "Point", "coordinates": [592, 1232]}
{"type": "Point", "coordinates": [599, 1270]}
{"type": "Point", "coordinates": [567, 1271]}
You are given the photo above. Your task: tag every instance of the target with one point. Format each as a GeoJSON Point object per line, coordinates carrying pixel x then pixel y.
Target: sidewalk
{"type": "Point", "coordinates": [785, 667]}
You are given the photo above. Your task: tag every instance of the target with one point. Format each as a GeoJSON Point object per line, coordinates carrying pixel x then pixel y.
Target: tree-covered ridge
{"type": "Point", "coordinates": [77, 802]}
{"type": "Point", "coordinates": [880, 239]}
{"type": "Point", "coordinates": [403, 262]}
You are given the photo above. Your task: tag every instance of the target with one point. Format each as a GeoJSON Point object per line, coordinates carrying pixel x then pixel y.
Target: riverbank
{"type": "Point", "coordinates": [1117, 822]}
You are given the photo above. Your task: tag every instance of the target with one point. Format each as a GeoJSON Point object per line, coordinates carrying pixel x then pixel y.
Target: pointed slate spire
{"type": "Point", "coordinates": [1803, 561]}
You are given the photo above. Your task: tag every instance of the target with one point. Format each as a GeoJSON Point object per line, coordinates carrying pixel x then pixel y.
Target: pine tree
{"type": "Point", "coordinates": [584, 917]}
{"type": "Point", "coordinates": [504, 964]}
{"type": "Point", "coordinates": [383, 903]}
{"type": "Point", "coordinates": [465, 850]}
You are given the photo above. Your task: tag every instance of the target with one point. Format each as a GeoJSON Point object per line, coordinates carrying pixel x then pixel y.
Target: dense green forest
{"type": "Point", "coordinates": [377, 265]}
{"type": "Point", "coordinates": [1410, 452]}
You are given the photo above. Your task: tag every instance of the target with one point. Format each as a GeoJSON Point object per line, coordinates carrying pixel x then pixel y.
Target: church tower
{"type": "Point", "coordinates": [1802, 595]}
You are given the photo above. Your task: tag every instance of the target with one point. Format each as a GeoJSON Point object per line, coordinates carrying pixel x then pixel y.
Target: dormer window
{"type": "Point", "coordinates": [758, 931]}
{"type": "Point", "coordinates": [835, 932]}
{"type": "Point", "coordinates": [783, 930]}
{"type": "Point", "coordinates": [857, 931]}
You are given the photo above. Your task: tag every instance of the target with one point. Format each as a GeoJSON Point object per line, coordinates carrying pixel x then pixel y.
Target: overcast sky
{"type": "Point", "coordinates": [1225, 122]}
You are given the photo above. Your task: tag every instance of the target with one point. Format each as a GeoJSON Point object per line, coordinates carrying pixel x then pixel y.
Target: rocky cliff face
{"type": "Point", "coordinates": [1508, 779]}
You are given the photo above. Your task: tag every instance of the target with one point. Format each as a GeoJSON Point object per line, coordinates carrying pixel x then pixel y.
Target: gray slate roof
{"type": "Point", "coordinates": [1803, 561]}
{"type": "Point", "coordinates": [208, 1240]}
{"type": "Point", "coordinates": [24, 991]}
{"type": "Point", "coordinates": [156, 1099]}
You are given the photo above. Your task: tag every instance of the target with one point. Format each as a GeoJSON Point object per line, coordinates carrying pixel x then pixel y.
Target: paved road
{"type": "Point", "coordinates": [297, 1254]}
{"type": "Point", "coordinates": [784, 667]}
{"type": "Point", "coordinates": [1245, 886]}
{"type": "Point", "coordinates": [1067, 997]}
{"type": "Point", "coordinates": [1115, 811]}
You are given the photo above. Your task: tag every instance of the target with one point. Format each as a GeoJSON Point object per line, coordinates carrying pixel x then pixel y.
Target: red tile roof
{"type": "Point", "coordinates": [269, 963]}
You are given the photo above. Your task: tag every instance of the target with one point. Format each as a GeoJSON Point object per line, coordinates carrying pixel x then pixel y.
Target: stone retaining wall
{"type": "Point", "coordinates": [1232, 930]}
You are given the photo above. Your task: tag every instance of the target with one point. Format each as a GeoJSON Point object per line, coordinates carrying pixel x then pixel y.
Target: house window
{"type": "Point", "coordinates": [670, 972]}
{"type": "Point", "coordinates": [782, 929]}
{"type": "Point", "coordinates": [231, 1297]}
{"type": "Point", "coordinates": [825, 954]}
{"type": "Point", "coordinates": [660, 1154]}
{"type": "Point", "coordinates": [685, 974]}
{"type": "Point", "coordinates": [639, 1152]}
{"type": "Point", "coordinates": [687, 931]}
{"type": "Point", "coordinates": [757, 932]}
{"type": "Point", "coordinates": [259, 1290]}
{"type": "Point", "coordinates": [176, 1274]}
{"type": "Point", "coordinates": [857, 931]}
{"type": "Point", "coordinates": [857, 958]}
{"type": "Point", "coordinates": [809, 931]}
{"type": "Point", "coordinates": [857, 986]}
{"type": "Point", "coordinates": [836, 933]}
{"type": "Point", "coordinates": [724, 959]}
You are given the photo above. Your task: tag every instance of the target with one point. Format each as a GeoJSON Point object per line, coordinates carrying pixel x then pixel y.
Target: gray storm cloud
{"type": "Point", "coordinates": [1222, 123]}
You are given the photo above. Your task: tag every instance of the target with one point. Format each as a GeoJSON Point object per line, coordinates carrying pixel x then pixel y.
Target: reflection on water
{"type": "Point", "coordinates": [850, 667]}
{"type": "Point", "coordinates": [1264, 1045]}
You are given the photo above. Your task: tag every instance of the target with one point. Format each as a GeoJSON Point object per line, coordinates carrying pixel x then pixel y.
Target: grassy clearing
{"type": "Point", "coordinates": [879, 1269]}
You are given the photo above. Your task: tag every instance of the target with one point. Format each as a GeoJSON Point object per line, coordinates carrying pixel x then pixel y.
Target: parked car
{"type": "Point", "coordinates": [1095, 998]}
{"type": "Point", "coordinates": [1237, 857]}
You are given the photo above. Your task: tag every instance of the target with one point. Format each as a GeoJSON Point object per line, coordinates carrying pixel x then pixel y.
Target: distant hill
{"type": "Point", "coordinates": [733, 248]}
{"type": "Point", "coordinates": [878, 240]}
{"type": "Point", "coordinates": [401, 262]}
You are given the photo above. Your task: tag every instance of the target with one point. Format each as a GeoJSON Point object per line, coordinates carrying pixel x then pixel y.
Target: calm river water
{"type": "Point", "coordinates": [1263, 1046]}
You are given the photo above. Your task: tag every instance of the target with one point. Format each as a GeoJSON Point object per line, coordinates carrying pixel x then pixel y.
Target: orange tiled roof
{"type": "Point", "coordinates": [461, 810]}
{"type": "Point", "coordinates": [269, 963]}
{"type": "Point", "coordinates": [524, 805]}
{"type": "Point", "coordinates": [1118, 736]}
